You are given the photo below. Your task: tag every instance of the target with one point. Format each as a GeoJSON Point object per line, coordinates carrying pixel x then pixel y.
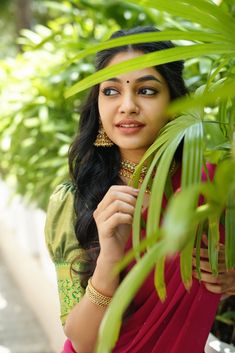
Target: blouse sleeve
{"type": "Point", "coordinates": [63, 246]}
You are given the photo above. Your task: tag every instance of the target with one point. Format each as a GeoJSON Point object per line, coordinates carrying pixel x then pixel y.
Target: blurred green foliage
{"type": "Point", "coordinates": [36, 123]}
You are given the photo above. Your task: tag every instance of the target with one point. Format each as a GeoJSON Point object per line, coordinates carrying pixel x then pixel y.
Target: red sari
{"type": "Point", "coordinates": [179, 325]}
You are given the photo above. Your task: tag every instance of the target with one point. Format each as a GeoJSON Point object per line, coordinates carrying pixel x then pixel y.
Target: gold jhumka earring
{"type": "Point", "coordinates": [102, 139]}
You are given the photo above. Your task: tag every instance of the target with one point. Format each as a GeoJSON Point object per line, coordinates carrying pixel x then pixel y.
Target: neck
{"type": "Point", "coordinates": [132, 156]}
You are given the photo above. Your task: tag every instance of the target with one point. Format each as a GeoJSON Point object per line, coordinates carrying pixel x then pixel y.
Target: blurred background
{"type": "Point", "coordinates": [38, 41]}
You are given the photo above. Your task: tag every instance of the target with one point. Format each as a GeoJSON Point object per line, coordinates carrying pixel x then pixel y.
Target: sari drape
{"type": "Point", "coordinates": [179, 325]}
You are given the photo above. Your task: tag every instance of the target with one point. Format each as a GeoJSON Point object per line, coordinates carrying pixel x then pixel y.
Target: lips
{"type": "Point", "coordinates": [129, 126]}
{"type": "Point", "coordinates": [129, 123]}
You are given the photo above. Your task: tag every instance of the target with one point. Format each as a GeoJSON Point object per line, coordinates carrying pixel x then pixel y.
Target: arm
{"type": "Point", "coordinates": [113, 218]}
{"type": "Point", "coordinates": [83, 322]}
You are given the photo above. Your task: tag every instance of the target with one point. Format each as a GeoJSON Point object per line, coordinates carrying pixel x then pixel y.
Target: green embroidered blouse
{"type": "Point", "coordinates": [63, 246]}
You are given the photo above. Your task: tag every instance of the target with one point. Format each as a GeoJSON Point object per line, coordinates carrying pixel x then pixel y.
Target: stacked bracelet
{"type": "Point", "coordinates": [96, 297]}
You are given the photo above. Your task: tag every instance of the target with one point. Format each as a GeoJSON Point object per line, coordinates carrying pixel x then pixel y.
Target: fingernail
{"type": "Point", "coordinates": [136, 190]}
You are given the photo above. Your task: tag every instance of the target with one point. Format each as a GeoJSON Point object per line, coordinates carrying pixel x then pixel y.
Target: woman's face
{"type": "Point", "coordinates": [132, 107]}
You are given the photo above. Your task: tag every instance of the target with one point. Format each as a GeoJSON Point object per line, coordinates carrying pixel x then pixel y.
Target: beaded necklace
{"type": "Point", "coordinates": [128, 168]}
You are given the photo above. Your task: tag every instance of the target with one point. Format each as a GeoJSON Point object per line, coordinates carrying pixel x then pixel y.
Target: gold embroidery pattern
{"type": "Point", "coordinates": [70, 293]}
{"type": "Point", "coordinates": [69, 288]}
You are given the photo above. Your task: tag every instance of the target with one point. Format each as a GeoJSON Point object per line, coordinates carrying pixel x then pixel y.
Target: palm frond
{"type": "Point", "coordinates": [172, 131]}
{"type": "Point", "coordinates": [152, 59]}
{"type": "Point", "coordinates": [191, 174]}
{"type": "Point", "coordinates": [223, 91]}
{"type": "Point", "coordinates": [208, 15]}
{"type": "Point", "coordinates": [229, 232]}
{"type": "Point", "coordinates": [180, 220]}
{"type": "Point", "coordinates": [198, 36]}
{"type": "Point", "coordinates": [111, 322]}
{"type": "Point", "coordinates": [213, 242]}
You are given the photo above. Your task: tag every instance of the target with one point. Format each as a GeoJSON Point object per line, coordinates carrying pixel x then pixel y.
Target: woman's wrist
{"type": "Point", "coordinates": [96, 297]}
{"type": "Point", "coordinates": [103, 278]}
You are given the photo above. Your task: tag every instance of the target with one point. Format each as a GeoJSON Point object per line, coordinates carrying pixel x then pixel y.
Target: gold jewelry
{"type": "Point", "coordinates": [96, 297]}
{"type": "Point", "coordinates": [128, 168]}
{"type": "Point", "coordinates": [102, 139]}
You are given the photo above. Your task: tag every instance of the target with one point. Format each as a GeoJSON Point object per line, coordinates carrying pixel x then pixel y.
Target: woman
{"type": "Point", "coordinates": [88, 228]}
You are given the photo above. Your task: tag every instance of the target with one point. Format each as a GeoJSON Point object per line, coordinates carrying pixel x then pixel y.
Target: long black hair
{"type": "Point", "coordinates": [95, 169]}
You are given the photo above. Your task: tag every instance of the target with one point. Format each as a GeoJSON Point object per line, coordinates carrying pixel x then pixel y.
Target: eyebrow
{"type": "Point", "coordinates": [139, 79]}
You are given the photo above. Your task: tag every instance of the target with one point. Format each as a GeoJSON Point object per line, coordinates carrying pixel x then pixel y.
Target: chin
{"type": "Point", "coordinates": [131, 147]}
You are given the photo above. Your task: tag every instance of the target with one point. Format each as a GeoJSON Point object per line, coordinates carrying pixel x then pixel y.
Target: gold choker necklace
{"type": "Point", "coordinates": [128, 168]}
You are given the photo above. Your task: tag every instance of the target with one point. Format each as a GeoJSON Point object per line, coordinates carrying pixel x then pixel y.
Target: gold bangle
{"type": "Point", "coordinates": [96, 297]}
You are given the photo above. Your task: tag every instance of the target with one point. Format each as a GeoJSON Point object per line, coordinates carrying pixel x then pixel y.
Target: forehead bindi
{"type": "Point", "coordinates": [136, 80]}
{"type": "Point", "coordinates": [135, 75]}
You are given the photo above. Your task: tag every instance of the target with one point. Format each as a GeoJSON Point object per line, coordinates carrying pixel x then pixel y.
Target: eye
{"type": "Point", "coordinates": [109, 91]}
{"type": "Point", "coordinates": [148, 91]}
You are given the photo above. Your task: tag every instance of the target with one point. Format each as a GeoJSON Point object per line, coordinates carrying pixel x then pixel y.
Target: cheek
{"type": "Point", "coordinates": [100, 105]}
{"type": "Point", "coordinates": [160, 111]}
{"type": "Point", "coordinates": [161, 122]}
{"type": "Point", "coordinates": [104, 108]}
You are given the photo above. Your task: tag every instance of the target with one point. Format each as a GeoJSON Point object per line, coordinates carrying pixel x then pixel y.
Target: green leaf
{"type": "Point", "coordinates": [224, 180]}
{"type": "Point", "coordinates": [32, 36]}
{"type": "Point", "coordinates": [208, 15]}
{"type": "Point", "coordinates": [155, 151]}
{"type": "Point", "coordinates": [191, 175]}
{"type": "Point", "coordinates": [148, 37]}
{"type": "Point", "coordinates": [179, 220]}
{"type": "Point", "coordinates": [159, 279]}
{"type": "Point", "coordinates": [226, 320]}
{"type": "Point", "coordinates": [229, 231]}
{"type": "Point", "coordinates": [213, 243]}
{"type": "Point", "coordinates": [174, 133]}
{"type": "Point", "coordinates": [222, 92]}
{"type": "Point", "coordinates": [198, 248]}
{"type": "Point", "coordinates": [158, 185]}
{"type": "Point", "coordinates": [111, 322]}
{"type": "Point", "coordinates": [152, 59]}
{"type": "Point", "coordinates": [192, 155]}
{"type": "Point", "coordinates": [136, 226]}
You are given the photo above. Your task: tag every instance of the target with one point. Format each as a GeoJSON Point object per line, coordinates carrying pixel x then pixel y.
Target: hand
{"type": "Point", "coordinates": [224, 282]}
{"type": "Point", "coordinates": [113, 217]}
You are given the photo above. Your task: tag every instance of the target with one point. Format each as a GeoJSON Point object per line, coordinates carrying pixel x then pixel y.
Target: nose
{"type": "Point", "coordinates": [128, 104]}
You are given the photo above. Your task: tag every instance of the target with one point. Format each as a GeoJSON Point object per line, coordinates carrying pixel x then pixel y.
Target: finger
{"type": "Point", "coordinates": [205, 239]}
{"type": "Point", "coordinates": [126, 194]}
{"type": "Point", "coordinates": [207, 277]}
{"type": "Point", "coordinates": [228, 293]}
{"type": "Point", "coordinates": [205, 266]}
{"type": "Point", "coordinates": [204, 253]}
{"type": "Point", "coordinates": [116, 220]}
{"type": "Point", "coordinates": [213, 288]}
{"type": "Point", "coordinates": [227, 281]}
{"type": "Point", "coordinates": [118, 206]}
{"type": "Point", "coordinates": [119, 192]}
{"type": "Point", "coordinates": [224, 296]}
{"type": "Point", "coordinates": [123, 189]}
